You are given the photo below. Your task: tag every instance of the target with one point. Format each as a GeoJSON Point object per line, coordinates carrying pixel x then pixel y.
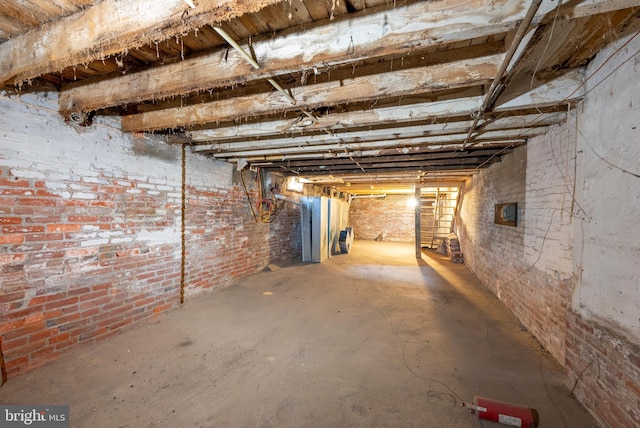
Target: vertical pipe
{"type": "Point", "coordinates": [417, 214]}
{"type": "Point", "coordinates": [182, 225]}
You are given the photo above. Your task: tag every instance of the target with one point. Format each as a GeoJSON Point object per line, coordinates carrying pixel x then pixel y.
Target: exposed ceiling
{"type": "Point", "coordinates": [362, 95]}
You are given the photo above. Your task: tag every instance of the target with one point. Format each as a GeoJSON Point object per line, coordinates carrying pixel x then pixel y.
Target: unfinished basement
{"type": "Point", "coordinates": [320, 213]}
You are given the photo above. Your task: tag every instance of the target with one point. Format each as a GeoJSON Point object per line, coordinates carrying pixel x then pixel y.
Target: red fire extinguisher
{"type": "Point", "coordinates": [504, 413]}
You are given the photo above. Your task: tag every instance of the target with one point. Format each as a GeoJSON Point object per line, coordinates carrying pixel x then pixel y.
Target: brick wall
{"type": "Point", "coordinates": [91, 237]}
{"type": "Point", "coordinates": [390, 218]}
{"type": "Point", "coordinates": [523, 265]}
{"type": "Point", "coordinates": [603, 357]}
{"type": "Point", "coordinates": [569, 270]}
{"type": "Point", "coordinates": [223, 239]}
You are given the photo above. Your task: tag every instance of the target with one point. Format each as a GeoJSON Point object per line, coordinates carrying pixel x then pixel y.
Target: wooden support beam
{"type": "Point", "coordinates": [303, 165]}
{"type": "Point", "coordinates": [440, 140]}
{"type": "Point", "coordinates": [220, 69]}
{"type": "Point", "coordinates": [467, 162]}
{"type": "Point", "coordinates": [413, 27]}
{"type": "Point", "coordinates": [275, 159]}
{"type": "Point", "coordinates": [383, 33]}
{"type": "Point", "coordinates": [428, 169]}
{"type": "Point", "coordinates": [457, 74]}
{"type": "Point", "coordinates": [397, 134]}
{"type": "Point", "coordinates": [109, 27]}
{"type": "Point", "coordinates": [562, 90]}
{"type": "Point", "coordinates": [342, 121]}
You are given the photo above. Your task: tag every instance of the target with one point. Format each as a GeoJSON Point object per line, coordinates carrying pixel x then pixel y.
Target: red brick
{"type": "Point", "coordinates": [79, 291]}
{"type": "Point", "coordinates": [110, 321]}
{"type": "Point", "coordinates": [14, 182]}
{"type": "Point", "coordinates": [16, 342]}
{"type": "Point", "coordinates": [46, 193]}
{"type": "Point", "coordinates": [55, 245]}
{"type": "Point", "coordinates": [11, 325]}
{"type": "Point", "coordinates": [64, 319]}
{"type": "Point", "coordinates": [161, 308]}
{"type": "Point", "coordinates": [44, 237]}
{"type": "Point", "coordinates": [11, 363]}
{"type": "Point", "coordinates": [144, 276]}
{"type": "Point", "coordinates": [95, 303]}
{"type": "Point", "coordinates": [11, 258]}
{"type": "Point", "coordinates": [86, 297]}
{"type": "Point", "coordinates": [41, 356]}
{"type": "Point", "coordinates": [23, 350]}
{"type": "Point", "coordinates": [90, 312]}
{"type": "Point", "coordinates": [25, 330]}
{"type": "Point", "coordinates": [120, 309]}
{"type": "Point", "coordinates": [120, 324]}
{"type": "Point", "coordinates": [81, 252]}
{"type": "Point", "coordinates": [11, 297]}
{"type": "Point", "coordinates": [10, 220]}
{"type": "Point", "coordinates": [22, 229]}
{"type": "Point", "coordinates": [21, 314]}
{"type": "Point", "coordinates": [43, 219]}
{"type": "Point", "coordinates": [44, 334]}
{"type": "Point", "coordinates": [11, 239]}
{"type": "Point", "coordinates": [64, 227]}
{"type": "Point", "coordinates": [82, 219]}
{"type": "Point", "coordinates": [72, 340]}
{"type": "Point", "coordinates": [38, 300]}
{"type": "Point", "coordinates": [61, 303]}
{"type": "Point", "coordinates": [106, 204]}
{"type": "Point", "coordinates": [37, 202]}
{"type": "Point", "coordinates": [49, 255]}
{"type": "Point", "coordinates": [39, 317]}
{"type": "Point", "coordinates": [92, 334]}
{"type": "Point", "coordinates": [58, 338]}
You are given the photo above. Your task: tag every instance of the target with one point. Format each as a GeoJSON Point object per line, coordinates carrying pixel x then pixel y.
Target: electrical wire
{"type": "Point", "coordinates": [612, 165]}
{"type": "Point", "coordinates": [246, 192]}
{"type": "Point", "coordinates": [544, 52]}
{"type": "Point", "coordinates": [588, 78]}
{"type": "Point", "coordinates": [602, 65]}
{"type": "Point", "coordinates": [567, 185]}
{"type": "Point", "coordinates": [266, 207]}
{"type": "Point", "coordinates": [450, 392]}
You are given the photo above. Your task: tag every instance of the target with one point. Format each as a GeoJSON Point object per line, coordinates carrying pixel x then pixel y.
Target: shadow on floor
{"type": "Point", "coordinates": [374, 338]}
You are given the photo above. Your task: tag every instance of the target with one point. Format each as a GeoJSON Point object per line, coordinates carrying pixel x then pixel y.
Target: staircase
{"type": "Point", "coordinates": [437, 214]}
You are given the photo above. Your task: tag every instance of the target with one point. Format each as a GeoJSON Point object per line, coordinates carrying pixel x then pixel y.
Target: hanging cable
{"type": "Point", "coordinates": [246, 192]}
{"type": "Point", "coordinates": [266, 207]}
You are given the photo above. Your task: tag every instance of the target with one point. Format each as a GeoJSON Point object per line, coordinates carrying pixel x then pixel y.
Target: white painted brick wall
{"type": "Point", "coordinates": [208, 173]}
{"type": "Point", "coordinates": [524, 265]}
{"type": "Point", "coordinates": [609, 191]}
{"type": "Point", "coordinates": [51, 150]}
{"type": "Point", "coordinates": [36, 144]}
{"type": "Point", "coordinates": [551, 211]}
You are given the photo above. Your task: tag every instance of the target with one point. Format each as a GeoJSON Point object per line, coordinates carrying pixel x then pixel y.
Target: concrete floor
{"type": "Point", "coordinates": [374, 338]}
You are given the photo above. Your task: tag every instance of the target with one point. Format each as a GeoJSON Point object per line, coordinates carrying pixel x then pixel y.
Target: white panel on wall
{"type": "Point", "coordinates": [322, 220]}
{"type": "Point", "coordinates": [338, 218]}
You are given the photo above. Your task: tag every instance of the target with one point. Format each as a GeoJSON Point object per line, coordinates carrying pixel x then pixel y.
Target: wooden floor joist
{"type": "Point", "coordinates": [106, 28]}
{"type": "Point", "coordinates": [385, 85]}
